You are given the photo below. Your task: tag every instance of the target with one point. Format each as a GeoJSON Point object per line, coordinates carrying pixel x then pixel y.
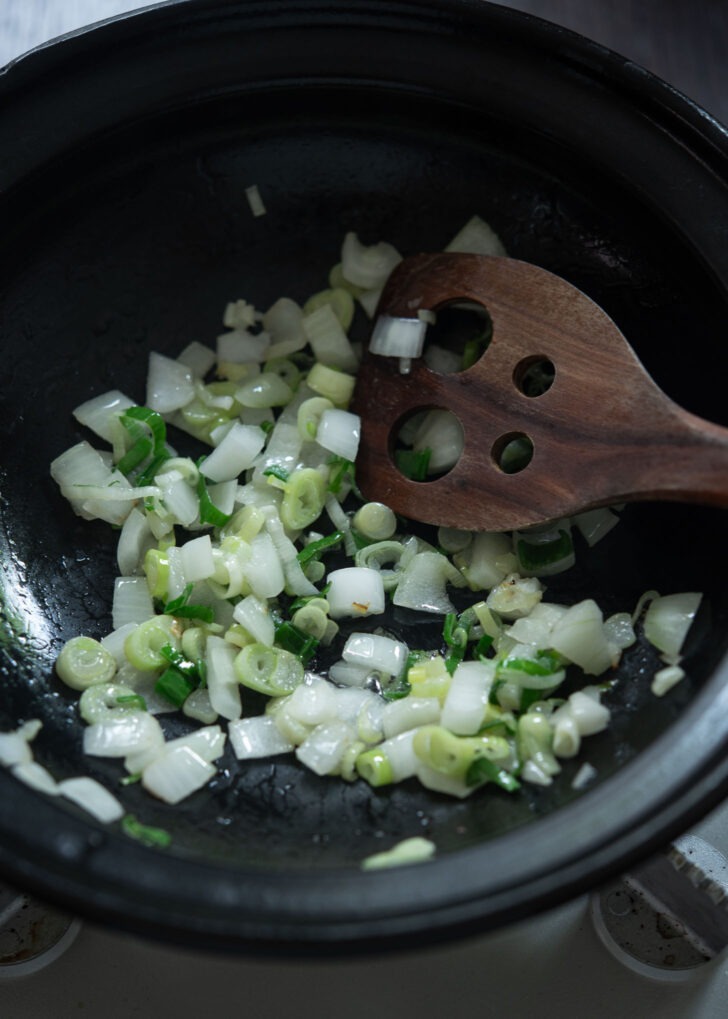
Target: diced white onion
{"type": "Point", "coordinates": [255, 201]}
{"type": "Point", "coordinates": [595, 524]}
{"type": "Point", "coordinates": [485, 563]}
{"type": "Point", "coordinates": [134, 540]}
{"type": "Point", "coordinates": [91, 796]}
{"type": "Point", "coordinates": [584, 776]}
{"type": "Point", "coordinates": [374, 651]}
{"type": "Point", "coordinates": [196, 558]}
{"type": "Point", "coordinates": [222, 682]}
{"type": "Point", "coordinates": [100, 412]}
{"type": "Point", "coordinates": [367, 267]}
{"type": "Point", "coordinates": [179, 497]}
{"type": "Point", "coordinates": [132, 602]}
{"type": "Point", "coordinates": [409, 713]}
{"type": "Point", "coordinates": [579, 636]}
{"type": "Point", "coordinates": [668, 620]}
{"type": "Point", "coordinates": [339, 432]}
{"type": "Point", "coordinates": [208, 742]}
{"type": "Point", "coordinates": [590, 716]}
{"type": "Point", "coordinates": [328, 340]}
{"type": "Point", "coordinates": [324, 748]}
{"type": "Point", "coordinates": [515, 596]}
{"type": "Point", "coordinates": [665, 679]}
{"type": "Point", "coordinates": [241, 347]}
{"type": "Point", "coordinates": [14, 749]}
{"type": "Point", "coordinates": [422, 585]}
{"type": "Point", "coordinates": [170, 384]}
{"type": "Point", "coordinates": [348, 674]}
{"type": "Point", "coordinates": [467, 698]}
{"type": "Point", "coordinates": [313, 702]}
{"type": "Point", "coordinates": [198, 358]}
{"type": "Point", "coordinates": [355, 591]}
{"type": "Point", "coordinates": [398, 337]}
{"type": "Point", "coordinates": [36, 776]}
{"type": "Point", "coordinates": [263, 570]}
{"type": "Point", "coordinates": [236, 453]}
{"type": "Point", "coordinates": [256, 737]}
{"type": "Point", "coordinates": [253, 614]}
{"type": "Point", "coordinates": [477, 238]}
{"type": "Point", "coordinates": [177, 774]}
{"type": "Point", "coordinates": [120, 734]}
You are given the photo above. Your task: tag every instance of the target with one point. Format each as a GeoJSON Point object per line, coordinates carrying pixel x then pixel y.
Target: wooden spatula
{"type": "Point", "coordinates": [603, 432]}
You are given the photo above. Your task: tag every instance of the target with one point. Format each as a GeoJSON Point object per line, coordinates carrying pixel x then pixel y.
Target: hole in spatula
{"type": "Point", "coordinates": [512, 452]}
{"type": "Point", "coordinates": [458, 337]}
{"type": "Point", "coordinates": [534, 376]}
{"type": "Point", "coordinates": [427, 444]}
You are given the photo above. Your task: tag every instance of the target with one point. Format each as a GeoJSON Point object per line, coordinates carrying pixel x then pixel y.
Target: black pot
{"type": "Point", "coordinates": [126, 153]}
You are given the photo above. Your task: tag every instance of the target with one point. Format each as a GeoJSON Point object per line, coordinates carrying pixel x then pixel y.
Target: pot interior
{"type": "Point", "coordinates": [135, 240]}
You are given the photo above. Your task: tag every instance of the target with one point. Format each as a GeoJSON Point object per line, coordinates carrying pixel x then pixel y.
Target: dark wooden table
{"type": "Point", "coordinates": [683, 41]}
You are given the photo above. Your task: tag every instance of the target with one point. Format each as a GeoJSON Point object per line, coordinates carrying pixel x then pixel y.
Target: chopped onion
{"type": "Point", "coordinates": [665, 679]}
{"type": "Point", "coordinates": [477, 238]}
{"type": "Point", "coordinates": [422, 585]}
{"type": "Point", "coordinates": [328, 340]}
{"type": "Point", "coordinates": [170, 384]}
{"type": "Point", "coordinates": [100, 413]}
{"type": "Point", "coordinates": [132, 601]}
{"type": "Point", "coordinates": [374, 651]}
{"type": "Point", "coordinates": [196, 558]}
{"type": "Point", "coordinates": [198, 358]}
{"type": "Point", "coordinates": [355, 591]}
{"type": "Point", "coordinates": [339, 431]}
{"type": "Point", "coordinates": [409, 713]}
{"type": "Point", "coordinates": [257, 737]}
{"type": "Point", "coordinates": [467, 698]}
{"type": "Point", "coordinates": [134, 540]}
{"type": "Point", "coordinates": [255, 201]}
{"type": "Point", "coordinates": [176, 774]}
{"type": "Point", "coordinates": [253, 614]}
{"type": "Point", "coordinates": [93, 797]}
{"type": "Point", "coordinates": [367, 267]}
{"type": "Point", "coordinates": [236, 453]}
{"type": "Point", "coordinates": [241, 347]}
{"type": "Point", "coordinates": [36, 776]}
{"type": "Point", "coordinates": [668, 620]}
{"type": "Point", "coordinates": [222, 681]}
{"type": "Point", "coordinates": [120, 734]}
{"type": "Point", "coordinates": [398, 337]}
{"type": "Point", "coordinates": [323, 750]}
{"type": "Point", "coordinates": [579, 636]}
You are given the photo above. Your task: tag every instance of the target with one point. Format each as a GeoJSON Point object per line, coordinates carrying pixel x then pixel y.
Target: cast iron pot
{"type": "Point", "coordinates": [126, 153]}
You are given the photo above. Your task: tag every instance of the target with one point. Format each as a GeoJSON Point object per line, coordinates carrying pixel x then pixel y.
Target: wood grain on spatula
{"type": "Point", "coordinates": [602, 434]}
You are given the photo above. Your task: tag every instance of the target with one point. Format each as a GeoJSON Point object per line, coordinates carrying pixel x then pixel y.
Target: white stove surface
{"type": "Point", "coordinates": [551, 965]}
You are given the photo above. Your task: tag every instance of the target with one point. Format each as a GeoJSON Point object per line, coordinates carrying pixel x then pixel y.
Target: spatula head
{"type": "Point", "coordinates": [588, 438]}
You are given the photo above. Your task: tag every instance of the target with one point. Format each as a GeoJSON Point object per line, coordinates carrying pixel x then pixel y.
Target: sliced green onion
{"type": "Point", "coordinates": [290, 638]}
{"type": "Point", "coordinates": [534, 555]}
{"type": "Point", "coordinates": [155, 838]}
{"type": "Point", "coordinates": [414, 465]}
{"type": "Point", "coordinates": [174, 686]}
{"type": "Point", "coordinates": [482, 770]}
{"type": "Point", "coordinates": [316, 548]}
{"type": "Point", "coordinates": [143, 645]}
{"type": "Point", "coordinates": [303, 499]}
{"type": "Point", "coordinates": [133, 700]}
{"type": "Point", "coordinates": [84, 662]}
{"type": "Point", "coordinates": [209, 513]}
{"type": "Point", "coordinates": [270, 671]}
{"type": "Point", "coordinates": [342, 469]}
{"type": "Point", "coordinates": [277, 472]}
